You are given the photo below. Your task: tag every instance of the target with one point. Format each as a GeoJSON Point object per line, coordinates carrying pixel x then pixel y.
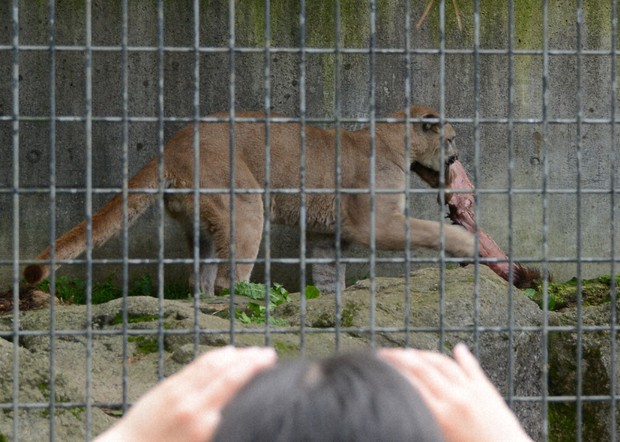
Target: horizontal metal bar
{"type": "Point", "coordinates": [344, 260]}
{"type": "Point", "coordinates": [317, 121]}
{"type": "Point", "coordinates": [115, 405]}
{"type": "Point", "coordinates": [313, 50]}
{"type": "Point", "coordinates": [324, 330]}
{"type": "Point", "coordinates": [307, 191]}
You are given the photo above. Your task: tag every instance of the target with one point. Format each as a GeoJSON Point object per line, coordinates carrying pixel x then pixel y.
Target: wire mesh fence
{"type": "Point", "coordinates": [91, 91]}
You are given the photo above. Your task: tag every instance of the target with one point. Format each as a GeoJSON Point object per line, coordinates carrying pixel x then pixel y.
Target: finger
{"type": "Point", "coordinates": [209, 424]}
{"type": "Point", "coordinates": [442, 364]}
{"type": "Point", "coordinates": [211, 365]}
{"type": "Point", "coordinates": [234, 371]}
{"type": "Point", "coordinates": [413, 365]}
{"type": "Point", "coordinates": [215, 376]}
{"type": "Point", "coordinates": [468, 362]}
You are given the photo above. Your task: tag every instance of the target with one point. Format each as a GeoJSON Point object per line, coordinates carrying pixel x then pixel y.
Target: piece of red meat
{"type": "Point", "coordinates": [461, 212]}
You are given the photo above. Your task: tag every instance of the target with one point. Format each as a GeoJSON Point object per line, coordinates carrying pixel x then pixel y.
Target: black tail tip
{"type": "Point", "coordinates": [526, 277]}
{"type": "Point", "coordinates": [34, 274]}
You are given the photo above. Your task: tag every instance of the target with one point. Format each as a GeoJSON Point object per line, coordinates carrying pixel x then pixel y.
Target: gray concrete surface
{"type": "Point", "coordinates": [487, 147]}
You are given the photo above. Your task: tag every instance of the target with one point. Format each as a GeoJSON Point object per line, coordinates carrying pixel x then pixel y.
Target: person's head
{"type": "Point", "coordinates": [345, 397]}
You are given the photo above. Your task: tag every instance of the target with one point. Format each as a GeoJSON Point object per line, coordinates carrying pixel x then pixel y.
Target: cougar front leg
{"type": "Point", "coordinates": [247, 238]}
{"type": "Point", "coordinates": [458, 241]}
{"type": "Point", "coordinates": [326, 277]}
{"type": "Point", "coordinates": [390, 234]}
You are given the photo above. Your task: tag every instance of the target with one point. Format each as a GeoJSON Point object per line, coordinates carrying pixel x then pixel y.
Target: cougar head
{"type": "Point", "coordinates": [426, 147]}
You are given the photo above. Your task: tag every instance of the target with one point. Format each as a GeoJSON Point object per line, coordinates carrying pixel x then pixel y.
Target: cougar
{"type": "Point", "coordinates": [285, 153]}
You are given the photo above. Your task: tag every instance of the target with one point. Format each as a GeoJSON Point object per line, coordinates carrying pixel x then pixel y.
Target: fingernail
{"type": "Point", "coordinates": [462, 347]}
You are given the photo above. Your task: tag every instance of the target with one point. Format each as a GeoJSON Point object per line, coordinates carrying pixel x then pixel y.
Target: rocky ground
{"type": "Point", "coordinates": [123, 362]}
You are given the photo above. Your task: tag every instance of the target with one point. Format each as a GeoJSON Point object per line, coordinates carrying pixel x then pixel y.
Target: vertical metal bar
{"type": "Point", "coordinates": [511, 166]}
{"type": "Point", "coordinates": [124, 194]}
{"type": "Point", "coordinates": [16, 275]}
{"type": "Point", "coordinates": [161, 187]}
{"type": "Point", "coordinates": [52, 207]}
{"type": "Point", "coordinates": [476, 173]}
{"type": "Point", "coordinates": [613, 157]}
{"type": "Point", "coordinates": [442, 178]}
{"type": "Point", "coordinates": [52, 202]}
{"type": "Point", "coordinates": [338, 172]}
{"type": "Point", "coordinates": [196, 183]}
{"type": "Point", "coordinates": [407, 194]}
{"type": "Point", "coordinates": [302, 173]}
{"type": "Point", "coordinates": [579, 343]}
{"type": "Point", "coordinates": [88, 103]}
{"type": "Point", "coordinates": [267, 180]}
{"type": "Point", "coordinates": [231, 146]}
{"type": "Point", "coordinates": [373, 182]}
{"type": "Point", "coordinates": [545, 232]}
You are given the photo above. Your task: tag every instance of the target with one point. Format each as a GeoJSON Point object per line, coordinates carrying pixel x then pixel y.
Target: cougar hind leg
{"type": "Point", "coordinates": [180, 207]}
{"type": "Point", "coordinates": [207, 272]}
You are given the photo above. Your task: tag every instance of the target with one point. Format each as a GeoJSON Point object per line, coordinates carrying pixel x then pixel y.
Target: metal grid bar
{"type": "Point", "coordinates": [372, 172]}
{"type": "Point", "coordinates": [303, 51]}
{"type": "Point", "coordinates": [302, 175]}
{"type": "Point", "coordinates": [511, 165]}
{"type": "Point", "coordinates": [312, 50]}
{"type": "Point", "coordinates": [441, 344]}
{"type": "Point", "coordinates": [318, 121]}
{"type": "Point", "coordinates": [267, 179]}
{"type": "Point", "coordinates": [52, 221]}
{"type": "Point", "coordinates": [579, 141]}
{"type": "Point", "coordinates": [476, 172]}
{"type": "Point", "coordinates": [88, 123]}
{"type": "Point", "coordinates": [545, 232]}
{"type": "Point", "coordinates": [197, 234]}
{"type": "Point", "coordinates": [15, 128]}
{"type": "Point", "coordinates": [231, 105]}
{"type": "Point", "coordinates": [613, 157]}
{"type": "Point", "coordinates": [161, 185]}
{"type": "Point", "coordinates": [124, 196]}
{"type": "Point", "coordinates": [338, 175]}
{"type": "Point", "coordinates": [407, 193]}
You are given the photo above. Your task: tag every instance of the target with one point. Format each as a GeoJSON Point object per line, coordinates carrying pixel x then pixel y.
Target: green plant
{"type": "Point", "coordinates": [142, 286]}
{"type": "Point", "coordinates": [594, 291]}
{"type": "Point", "coordinates": [71, 290]}
{"type": "Point", "coordinates": [256, 311]}
{"type": "Point", "coordinates": [144, 345]}
{"type": "Point", "coordinates": [348, 314]}
{"type": "Point", "coordinates": [118, 319]}
{"type": "Point", "coordinates": [106, 290]}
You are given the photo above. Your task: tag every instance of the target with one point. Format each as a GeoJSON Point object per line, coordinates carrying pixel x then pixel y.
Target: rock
{"type": "Point", "coordinates": [512, 360]}
{"type": "Point", "coordinates": [127, 354]}
{"type": "Point", "coordinates": [598, 372]}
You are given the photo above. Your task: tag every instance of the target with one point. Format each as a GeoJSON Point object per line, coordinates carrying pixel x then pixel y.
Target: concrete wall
{"type": "Point", "coordinates": [529, 149]}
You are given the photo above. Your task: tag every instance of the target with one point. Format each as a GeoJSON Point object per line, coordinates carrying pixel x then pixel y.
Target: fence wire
{"type": "Point", "coordinates": [19, 192]}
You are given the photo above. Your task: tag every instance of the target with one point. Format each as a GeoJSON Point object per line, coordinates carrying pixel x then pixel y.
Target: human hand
{"type": "Point", "coordinates": [462, 399]}
{"type": "Point", "coordinates": [186, 406]}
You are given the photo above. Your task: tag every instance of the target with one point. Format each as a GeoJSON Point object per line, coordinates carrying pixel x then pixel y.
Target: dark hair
{"type": "Point", "coordinates": [345, 397]}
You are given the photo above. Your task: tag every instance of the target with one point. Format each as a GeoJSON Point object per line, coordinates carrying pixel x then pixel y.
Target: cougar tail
{"type": "Point", "coordinates": [106, 223]}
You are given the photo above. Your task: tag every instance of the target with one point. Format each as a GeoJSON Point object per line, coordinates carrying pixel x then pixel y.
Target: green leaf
{"type": "Point", "coordinates": [251, 290]}
{"type": "Point", "coordinates": [256, 309]}
{"type": "Point", "coordinates": [278, 294]}
{"type": "Point", "coordinates": [312, 292]}
{"type": "Point", "coordinates": [530, 293]}
{"type": "Point", "coordinates": [243, 317]}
